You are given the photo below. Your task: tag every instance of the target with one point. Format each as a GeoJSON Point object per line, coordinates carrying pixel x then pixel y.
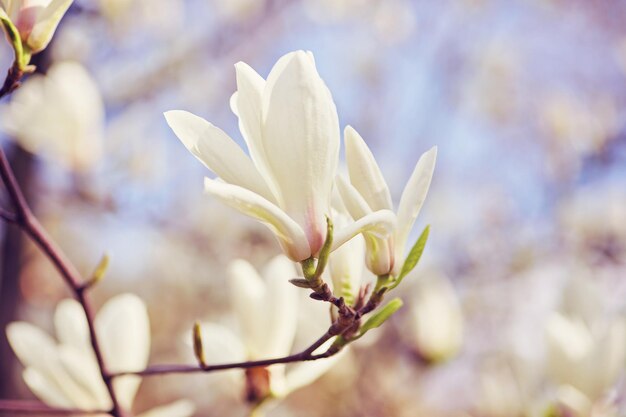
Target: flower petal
{"type": "Point", "coordinates": [247, 292]}
{"type": "Point", "coordinates": [290, 235]}
{"type": "Point", "coordinates": [281, 307]}
{"type": "Point", "coordinates": [71, 325]}
{"type": "Point", "coordinates": [247, 102]}
{"type": "Point", "coordinates": [37, 350]}
{"type": "Point", "coordinates": [46, 24]}
{"type": "Point", "coordinates": [180, 408]}
{"type": "Point", "coordinates": [380, 224]}
{"type": "Point", "coordinates": [221, 345]}
{"type": "Point", "coordinates": [305, 373]}
{"type": "Point", "coordinates": [46, 390]}
{"type": "Point", "coordinates": [301, 140]}
{"type": "Point", "coordinates": [364, 172]}
{"type": "Point", "coordinates": [217, 151]}
{"type": "Point", "coordinates": [83, 368]}
{"type": "Point", "coordinates": [352, 200]}
{"type": "Point", "coordinates": [346, 263]}
{"type": "Point", "coordinates": [123, 327]}
{"type": "Point", "coordinates": [412, 200]}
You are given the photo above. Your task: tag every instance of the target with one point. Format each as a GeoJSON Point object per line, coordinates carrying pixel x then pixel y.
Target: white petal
{"type": "Point", "coordinates": [45, 390]}
{"type": "Point", "coordinates": [46, 24]}
{"type": "Point", "coordinates": [364, 172]}
{"type": "Point", "coordinates": [247, 292]}
{"type": "Point", "coordinates": [290, 235]}
{"type": "Point", "coordinates": [247, 102]}
{"type": "Point", "coordinates": [352, 200]}
{"type": "Point", "coordinates": [379, 223]}
{"type": "Point", "coordinates": [301, 141]}
{"type": "Point", "coordinates": [217, 151]}
{"type": "Point", "coordinates": [83, 368]}
{"type": "Point", "coordinates": [305, 373]}
{"type": "Point", "coordinates": [71, 325]}
{"type": "Point", "coordinates": [221, 345]}
{"type": "Point", "coordinates": [36, 350]}
{"type": "Point", "coordinates": [412, 200]}
{"type": "Point", "coordinates": [346, 263]}
{"type": "Point", "coordinates": [281, 307]}
{"type": "Point", "coordinates": [124, 331]}
{"type": "Point", "coordinates": [181, 408]}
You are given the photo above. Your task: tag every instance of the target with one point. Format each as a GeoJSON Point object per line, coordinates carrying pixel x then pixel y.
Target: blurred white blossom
{"type": "Point", "coordinates": [436, 319]}
{"type": "Point", "coordinates": [59, 116]}
{"type": "Point", "coordinates": [266, 308]}
{"type": "Point", "coordinates": [289, 122]}
{"type": "Point", "coordinates": [66, 373]}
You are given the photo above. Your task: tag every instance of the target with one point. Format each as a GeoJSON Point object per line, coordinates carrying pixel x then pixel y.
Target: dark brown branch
{"type": "Point", "coordinates": [25, 219]}
{"type": "Point", "coordinates": [305, 355]}
{"type": "Point", "coordinates": [34, 407]}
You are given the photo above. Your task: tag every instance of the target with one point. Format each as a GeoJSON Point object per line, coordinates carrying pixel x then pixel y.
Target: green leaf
{"type": "Point", "coordinates": [380, 316]}
{"type": "Point", "coordinates": [413, 257]}
{"type": "Point", "coordinates": [325, 251]}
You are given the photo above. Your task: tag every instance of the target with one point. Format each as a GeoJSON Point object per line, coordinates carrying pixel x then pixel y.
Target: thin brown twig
{"type": "Point", "coordinates": [305, 355]}
{"type": "Point", "coordinates": [33, 407]}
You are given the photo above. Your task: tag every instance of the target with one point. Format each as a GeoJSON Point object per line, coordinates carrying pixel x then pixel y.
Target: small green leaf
{"type": "Point", "coordinates": [300, 282]}
{"type": "Point", "coordinates": [413, 257]}
{"type": "Point", "coordinates": [100, 270]}
{"type": "Point", "coordinates": [325, 251]}
{"type": "Point", "coordinates": [198, 349]}
{"type": "Point", "coordinates": [380, 316]}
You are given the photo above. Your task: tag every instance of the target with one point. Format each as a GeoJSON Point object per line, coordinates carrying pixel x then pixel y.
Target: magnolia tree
{"type": "Point", "coordinates": [329, 228]}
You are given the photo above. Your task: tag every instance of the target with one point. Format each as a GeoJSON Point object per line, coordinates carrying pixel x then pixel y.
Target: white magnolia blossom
{"type": "Point", "coordinates": [368, 192]}
{"type": "Point", "coordinates": [436, 319]}
{"type": "Point", "coordinates": [36, 20]}
{"type": "Point", "coordinates": [266, 308]}
{"type": "Point", "coordinates": [585, 359]}
{"type": "Point", "coordinates": [65, 373]}
{"type": "Point", "coordinates": [290, 126]}
{"type": "Point", "coordinates": [59, 116]}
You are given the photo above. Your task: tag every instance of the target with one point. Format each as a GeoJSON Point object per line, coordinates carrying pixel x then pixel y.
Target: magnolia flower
{"type": "Point", "coordinates": [59, 116]}
{"type": "Point", "coordinates": [436, 320]}
{"type": "Point", "coordinates": [290, 126]}
{"type": "Point", "coordinates": [66, 373]}
{"type": "Point", "coordinates": [266, 308]}
{"type": "Point", "coordinates": [584, 359]}
{"type": "Point", "coordinates": [367, 191]}
{"type": "Point", "coordinates": [36, 20]}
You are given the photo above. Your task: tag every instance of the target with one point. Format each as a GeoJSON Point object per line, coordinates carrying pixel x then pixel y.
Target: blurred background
{"type": "Point", "coordinates": [520, 294]}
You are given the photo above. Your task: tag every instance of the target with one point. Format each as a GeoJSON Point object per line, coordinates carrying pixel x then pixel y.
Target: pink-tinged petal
{"type": "Point", "coordinates": [217, 151]}
{"type": "Point", "coordinates": [364, 172]}
{"type": "Point", "coordinates": [45, 24]}
{"type": "Point", "coordinates": [290, 235]}
{"type": "Point", "coordinates": [379, 224]}
{"type": "Point", "coordinates": [301, 141]}
{"type": "Point", "coordinates": [412, 200]}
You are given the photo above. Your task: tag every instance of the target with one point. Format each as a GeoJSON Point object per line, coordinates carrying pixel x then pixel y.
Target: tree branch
{"type": "Point", "coordinates": [305, 355]}
{"type": "Point", "coordinates": [25, 219]}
